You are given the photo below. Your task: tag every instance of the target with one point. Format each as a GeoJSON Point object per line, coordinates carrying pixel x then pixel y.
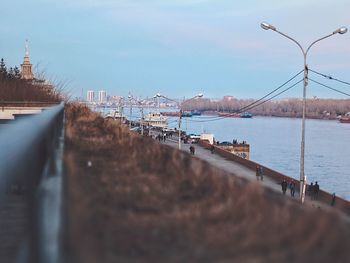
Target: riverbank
{"type": "Point", "coordinates": [130, 199]}
{"type": "Point", "coordinates": [292, 116]}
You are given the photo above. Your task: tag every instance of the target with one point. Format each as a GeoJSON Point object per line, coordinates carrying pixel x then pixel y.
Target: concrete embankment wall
{"type": "Point", "coordinates": [323, 196]}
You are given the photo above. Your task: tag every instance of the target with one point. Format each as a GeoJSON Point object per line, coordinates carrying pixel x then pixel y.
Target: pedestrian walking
{"type": "Point", "coordinates": [292, 188]}
{"type": "Point", "coordinates": [191, 149]}
{"type": "Point", "coordinates": [333, 199]}
{"type": "Point", "coordinates": [284, 185]}
{"type": "Point", "coordinates": [310, 190]}
{"type": "Point", "coordinates": [316, 190]}
{"type": "Point", "coordinates": [257, 172]}
{"type": "Point", "coordinates": [212, 148]}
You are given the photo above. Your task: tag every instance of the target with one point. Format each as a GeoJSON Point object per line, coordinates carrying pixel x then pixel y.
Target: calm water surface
{"type": "Point", "coordinates": [275, 142]}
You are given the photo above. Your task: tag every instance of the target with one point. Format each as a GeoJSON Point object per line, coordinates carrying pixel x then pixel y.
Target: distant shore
{"type": "Point", "coordinates": [215, 113]}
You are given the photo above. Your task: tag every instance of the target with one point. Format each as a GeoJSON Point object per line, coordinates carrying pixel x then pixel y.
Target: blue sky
{"type": "Point", "coordinates": [179, 47]}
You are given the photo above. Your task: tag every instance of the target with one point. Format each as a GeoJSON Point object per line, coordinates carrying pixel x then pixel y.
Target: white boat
{"type": "Point", "coordinates": [114, 114]}
{"type": "Point", "coordinates": [155, 119]}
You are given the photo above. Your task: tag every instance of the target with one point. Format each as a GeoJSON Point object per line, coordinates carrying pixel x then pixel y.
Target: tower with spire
{"type": "Point", "coordinates": [26, 67]}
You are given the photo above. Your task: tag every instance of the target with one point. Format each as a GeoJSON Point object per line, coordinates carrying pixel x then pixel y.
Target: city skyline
{"type": "Point", "coordinates": [178, 48]}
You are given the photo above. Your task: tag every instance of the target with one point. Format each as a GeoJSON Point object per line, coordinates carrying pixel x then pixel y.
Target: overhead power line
{"type": "Point", "coordinates": [329, 77]}
{"type": "Point", "coordinates": [256, 105]}
{"type": "Point", "coordinates": [253, 106]}
{"type": "Point", "coordinates": [328, 87]}
{"type": "Point", "coordinates": [257, 101]}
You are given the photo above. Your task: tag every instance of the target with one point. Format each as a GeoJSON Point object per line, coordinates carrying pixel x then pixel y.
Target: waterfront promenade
{"type": "Point", "coordinates": [244, 172]}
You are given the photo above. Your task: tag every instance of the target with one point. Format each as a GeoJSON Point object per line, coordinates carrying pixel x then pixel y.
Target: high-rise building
{"type": "Point", "coordinates": [90, 97]}
{"type": "Point", "coordinates": [102, 96]}
{"type": "Point", "coordinates": [26, 67]}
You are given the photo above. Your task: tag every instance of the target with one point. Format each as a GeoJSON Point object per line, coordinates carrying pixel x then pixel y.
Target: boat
{"type": "Point", "coordinates": [246, 115]}
{"type": "Point", "coordinates": [186, 114]}
{"type": "Point", "coordinates": [229, 114]}
{"type": "Point", "coordinates": [170, 113]}
{"type": "Point", "coordinates": [114, 114]}
{"type": "Point", "coordinates": [176, 113]}
{"type": "Point", "coordinates": [155, 119]}
{"type": "Point", "coordinates": [345, 118]}
{"type": "Point", "coordinates": [196, 113]}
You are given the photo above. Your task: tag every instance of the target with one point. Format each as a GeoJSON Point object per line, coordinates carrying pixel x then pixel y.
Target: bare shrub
{"type": "Point", "coordinates": [140, 201]}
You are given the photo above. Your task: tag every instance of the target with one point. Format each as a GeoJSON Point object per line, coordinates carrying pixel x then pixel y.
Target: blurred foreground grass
{"type": "Point", "coordinates": [140, 201]}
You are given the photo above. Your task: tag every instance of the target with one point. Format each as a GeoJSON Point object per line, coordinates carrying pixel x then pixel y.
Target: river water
{"type": "Point", "coordinates": [275, 143]}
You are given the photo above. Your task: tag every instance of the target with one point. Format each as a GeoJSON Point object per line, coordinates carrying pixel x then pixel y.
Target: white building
{"type": "Point", "coordinates": [90, 97]}
{"type": "Point", "coordinates": [102, 96]}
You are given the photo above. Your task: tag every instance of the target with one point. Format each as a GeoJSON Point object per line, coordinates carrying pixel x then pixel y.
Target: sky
{"type": "Point", "coordinates": [178, 48]}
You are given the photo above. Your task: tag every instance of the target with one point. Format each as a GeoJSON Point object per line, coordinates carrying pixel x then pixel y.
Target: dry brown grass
{"type": "Point", "coordinates": [18, 90]}
{"type": "Point", "coordinates": [144, 202]}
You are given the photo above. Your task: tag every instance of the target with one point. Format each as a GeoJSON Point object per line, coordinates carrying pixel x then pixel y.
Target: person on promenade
{"type": "Point", "coordinates": [316, 190]}
{"type": "Point", "coordinates": [192, 150]}
{"type": "Point", "coordinates": [257, 172]}
{"type": "Point", "coordinates": [292, 188]}
{"type": "Point", "coordinates": [212, 148]}
{"type": "Point", "coordinates": [333, 199]}
{"type": "Point", "coordinates": [310, 190]}
{"type": "Point", "coordinates": [284, 185]}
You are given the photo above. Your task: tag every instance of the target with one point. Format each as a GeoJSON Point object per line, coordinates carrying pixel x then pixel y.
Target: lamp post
{"type": "Point", "coordinates": [180, 113]}
{"type": "Point", "coordinates": [142, 116]}
{"type": "Point", "coordinates": [341, 30]}
{"type": "Point", "coordinates": [120, 108]}
{"type": "Point", "coordinates": [130, 105]}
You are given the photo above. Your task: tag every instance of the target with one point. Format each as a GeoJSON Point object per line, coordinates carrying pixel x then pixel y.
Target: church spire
{"type": "Point", "coordinates": [26, 67]}
{"type": "Point", "coordinates": [27, 49]}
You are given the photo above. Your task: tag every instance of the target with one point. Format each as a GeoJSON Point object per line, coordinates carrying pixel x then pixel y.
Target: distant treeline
{"type": "Point", "coordinates": [316, 108]}
{"type": "Point", "coordinates": [13, 88]}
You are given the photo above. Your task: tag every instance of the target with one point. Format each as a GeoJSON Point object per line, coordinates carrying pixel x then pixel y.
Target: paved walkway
{"type": "Point", "coordinates": [242, 171]}
{"type": "Point", "coordinates": [225, 164]}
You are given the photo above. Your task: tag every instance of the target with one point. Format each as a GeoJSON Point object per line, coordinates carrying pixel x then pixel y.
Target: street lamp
{"type": "Point", "coordinates": [130, 105]}
{"type": "Point", "coordinates": [131, 98]}
{"type": "Point", "coordinates": [180, 112]}
{"type": "Point", "coordinates": [142, 116]}
{"type": "Point", "coordinates": [341, 30]}
{"type": "Point", "coordinates": [120, 109]}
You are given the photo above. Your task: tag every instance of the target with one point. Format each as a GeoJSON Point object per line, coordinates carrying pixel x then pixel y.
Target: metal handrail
{"type": "Point", "coordinates": [28, 152]}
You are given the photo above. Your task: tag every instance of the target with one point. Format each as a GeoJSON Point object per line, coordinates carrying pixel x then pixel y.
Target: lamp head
{"type": "Point", "coordinates": [341, 30]}
{"type": "Point", "coordinates": [267, 26]}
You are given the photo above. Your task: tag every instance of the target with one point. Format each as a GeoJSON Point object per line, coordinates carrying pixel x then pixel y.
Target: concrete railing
{"type": "Point", "coordinates": [29, 156]}
{"type": "Point", "coordinates": [323, 196]}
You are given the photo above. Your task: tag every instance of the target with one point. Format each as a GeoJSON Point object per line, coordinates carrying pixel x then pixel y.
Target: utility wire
{"type": "Point", "coordinates": [276, 95]}
{"type": "Point", "coordinates": [329, 77]}
{"type": "Point", "coordinates": [257, 101]}
{"type": "Point", "coordinates": [328, 87]}
{"type": "Point", "coordinates": [256, 105]}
